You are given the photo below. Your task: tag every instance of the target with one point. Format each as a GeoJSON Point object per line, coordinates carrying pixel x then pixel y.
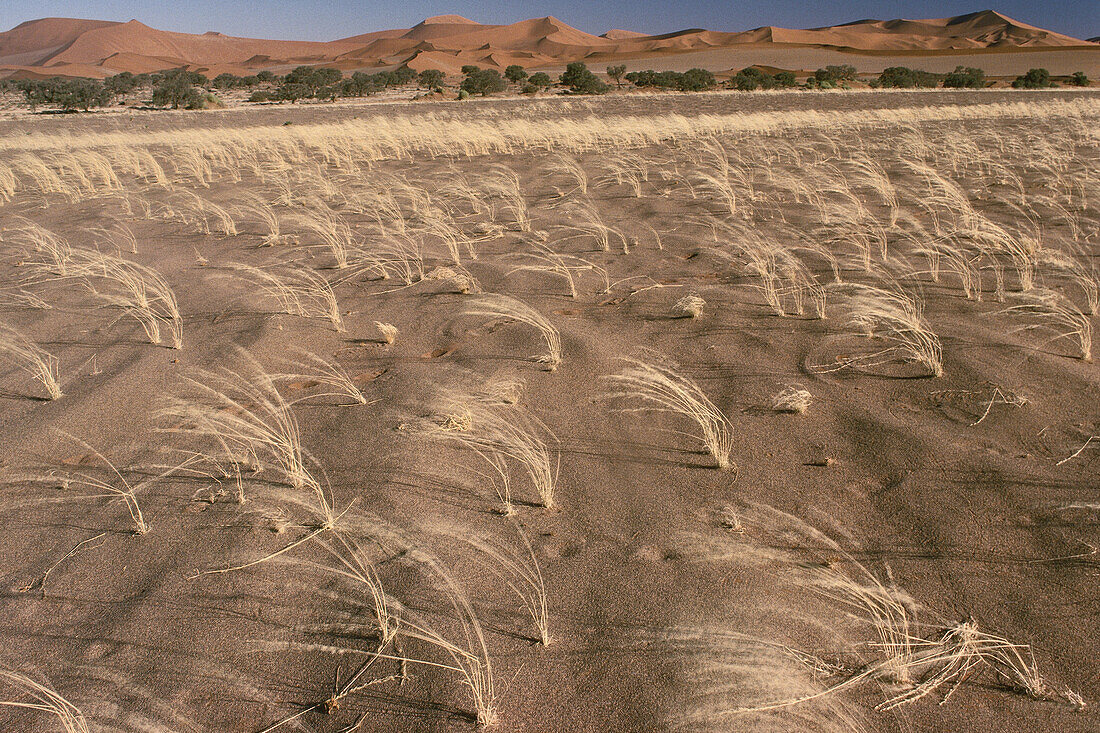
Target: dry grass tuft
{"type": "Point", "coordinates": [660, 388]}
{"type": "Point", "coordinates": [505, 307]}
{"type": "Point", "coordinates": [17, 349]}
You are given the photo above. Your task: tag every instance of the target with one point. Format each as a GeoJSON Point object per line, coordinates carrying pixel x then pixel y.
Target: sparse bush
{"type": "Point", "coordinates": [616, 73]}
{"type": "Point", "coordinates": [1078, 79]}
{"type": "Point", "coordinates": [261, 96]}
{"type": "Point", "coordinates": [836, 74]}
{"type": "Point", "coordinates": [965, 77]}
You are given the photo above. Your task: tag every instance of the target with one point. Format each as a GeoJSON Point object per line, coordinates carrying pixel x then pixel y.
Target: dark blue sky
{"type": "Point", "coordinates": [330, 19]}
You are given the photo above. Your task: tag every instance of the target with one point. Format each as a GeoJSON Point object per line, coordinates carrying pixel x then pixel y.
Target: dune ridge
{"type": "Point", "coordinates": [77, 47]}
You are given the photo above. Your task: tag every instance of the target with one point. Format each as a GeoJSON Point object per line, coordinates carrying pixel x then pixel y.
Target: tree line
{"type": "Point", "coordinates": [182, 89]}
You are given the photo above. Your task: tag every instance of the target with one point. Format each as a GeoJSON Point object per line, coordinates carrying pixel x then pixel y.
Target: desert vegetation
{"type": "Point", "coordinates": [406, 420]}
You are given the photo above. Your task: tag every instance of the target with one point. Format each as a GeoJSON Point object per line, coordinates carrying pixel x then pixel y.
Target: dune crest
{"type": "Point", "coordinates": [76, 47]}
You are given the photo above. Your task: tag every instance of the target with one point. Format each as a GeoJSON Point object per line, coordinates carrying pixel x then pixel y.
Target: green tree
{"type": "Point", "coordinates": [696, 80]}
{"type": "Point", "coordinates": [431, 78]}
{"type": "Point", "coordinates": [785, 79]}
{"type": "Point", "coordinates": [314, 77]}
{"type": "Point", "coordinates": [1079, 79]}
{"type": "Point", "coordinates": [515, 73]}
{"type": "Point", "coordinates": [120, 84]}
{"type": "Point", "coordinates": [617, 73]}
{"type": "Point", "coordinates": [403, 76]}
{"type": "Point", "coordinates": [1033, 79]}
{"type": "Point", "coordinates": [581, 80]}
{"type": "Point", "coordinates": [541, 80]}
{"type": "Point", "coordinates": [177, 91]}
{"type": "Point", "coordinates": [265, 76]}
{"type": "Point", "coordinates": [292, 92]}
{"type": "Point", "coordinates": [751, 78]}
{"type": "Point", "coordinates": [226, 81]}
{"type": "Point", "coordinates": [470, 69]}
{"type": "Point", "coordinates": [484, 82]}
{"type": "Point", "coordinates": [902, 77]}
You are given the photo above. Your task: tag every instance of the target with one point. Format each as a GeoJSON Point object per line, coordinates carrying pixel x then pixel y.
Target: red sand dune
{"type": "Point", "coordinates": [59, 46]}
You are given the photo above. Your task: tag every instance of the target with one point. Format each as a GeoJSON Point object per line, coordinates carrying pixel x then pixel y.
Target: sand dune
{"type": "Point", "coordinates": [447, 42]}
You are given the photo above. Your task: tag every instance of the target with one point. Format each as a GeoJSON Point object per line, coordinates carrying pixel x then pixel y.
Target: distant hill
{"type": "Point", "coordinates": [73, 47]}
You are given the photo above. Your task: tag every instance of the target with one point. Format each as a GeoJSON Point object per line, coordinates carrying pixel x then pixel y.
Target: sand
{"type": "Point", "coordinates": [82, 48]}
{"type": "Point", "coordinates": [973, 521]}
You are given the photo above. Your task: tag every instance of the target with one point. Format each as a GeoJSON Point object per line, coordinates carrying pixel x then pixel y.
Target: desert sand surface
{"type": "Point", "coordinates": [72, 47]}
{"type": "Point", "coordinates": [334, 418]}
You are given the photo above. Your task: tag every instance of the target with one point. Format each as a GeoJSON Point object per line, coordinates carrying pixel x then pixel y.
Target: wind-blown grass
{"type": "Point", "coordinates": [41, 697]}
{"type": "Point", "coordinates": [651, 387]}
{"type": "Point", "coordinates": [17, 349]}
{"type": "Point", "coordinates": [504, 307]}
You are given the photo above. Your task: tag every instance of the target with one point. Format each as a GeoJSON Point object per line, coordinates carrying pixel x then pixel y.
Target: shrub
{"type": "Point", "coordinates": [651, 78]}
{"type": "Point", "coordinates": [1033, 79]}
{"type": "Point", "coordinates": [401, 77]}
{"type": "Point", "coordinates": [484, 82]}
{"type": "Point", "coordinates": [529, 88]}
{"type": "Point", "coordinates": [752, 78]}
{"type": "Point", "coordinates": [965, 77]}
{"type": "Point", "coordinates": [541, 80]}
{"type": "Point", "coordinates": [470, 69]}
{"type": "Point", "coordinates": [696, 80]}
{"type": "Point", "coordinates": [361, 84]}
{"type": "Point", "coordinates": [208, 101]}
{"type": "Point", "coordinates": [313, 78]}
{"type": "Point", "coordinates": [226, 81]}
{"type": "Point", "coordinates": [120, 84]}
{"type": "Point", "coordinates": [785, 79]}
{"type": "Point", "coordinates": [835, 74]}
{"type": "Point", "coordinates": [581, 80]}
{"type": "Point", "coordinates": [177, 91]}
{"type": "Point", "coordinates": [901, 77]}
{"type": "Point", "coordinates": [814, 83]}
{"type": "Point", "coordinates": [292, 92]}
{"type": "Point", "coordinates": [265, 77]}
{"type": "Point", "coordinates": [261, 96]}
{"type": "Point", "coordinates": [1079, 79]}
{"type": "Point", "coordinates": [515, 73]}
{"type": "Point", "coordinates": [431, 78]}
